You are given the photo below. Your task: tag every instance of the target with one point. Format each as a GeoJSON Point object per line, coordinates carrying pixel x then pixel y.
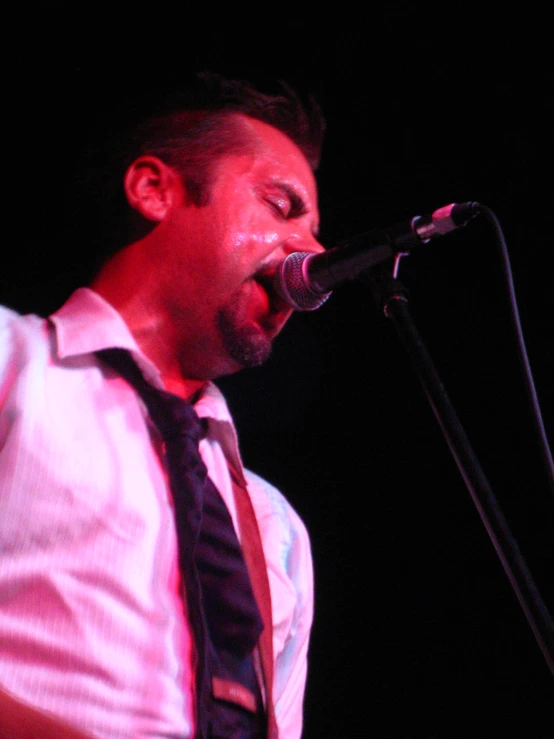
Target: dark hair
{"type": "Point", "coordinates": [190, 131]}
{"type": "Point", "coordinates": [195, 128]}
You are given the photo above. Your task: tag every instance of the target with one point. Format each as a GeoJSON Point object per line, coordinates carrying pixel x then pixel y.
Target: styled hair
{"type": "Point", "coordinates": [195, 128]}
{"type": "Point", "coordinates": [189, 130]}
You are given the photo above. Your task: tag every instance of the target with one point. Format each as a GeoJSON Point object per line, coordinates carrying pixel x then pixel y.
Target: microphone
{"type": "Point", "coordinates": [306, 280]}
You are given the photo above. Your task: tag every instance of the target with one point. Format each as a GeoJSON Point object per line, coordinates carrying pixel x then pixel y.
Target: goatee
{"type": "Point", "coordinates": [246, 345]}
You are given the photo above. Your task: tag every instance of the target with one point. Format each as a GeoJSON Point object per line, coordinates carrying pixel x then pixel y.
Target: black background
{"type": "Point", "coordinates": [417, 630]}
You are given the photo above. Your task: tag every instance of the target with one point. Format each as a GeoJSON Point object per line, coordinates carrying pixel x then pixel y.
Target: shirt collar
{"type": "Point", "coordinates": [87, 323]}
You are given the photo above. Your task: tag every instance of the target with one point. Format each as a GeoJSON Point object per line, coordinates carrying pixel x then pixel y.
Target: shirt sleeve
{"type": "Point", "coordinates": [8, 364]}
{"type": "Point", "coordinates": [290, 570]}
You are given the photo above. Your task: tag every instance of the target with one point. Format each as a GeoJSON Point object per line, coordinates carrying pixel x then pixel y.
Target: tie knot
{"type": "Point", "coordinates": [178, 418]}
{"type": "Point", "coordinates": [174, 417]}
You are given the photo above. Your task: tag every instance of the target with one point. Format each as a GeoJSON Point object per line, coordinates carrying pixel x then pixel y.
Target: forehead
{"type": "Point", "coordinates": [277, 157]}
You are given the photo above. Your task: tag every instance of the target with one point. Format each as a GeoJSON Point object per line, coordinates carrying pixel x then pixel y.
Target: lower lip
{"type": "Point", "coordinates": [257, 304]}
{"type": "Point", "coordinates": [271, 319]}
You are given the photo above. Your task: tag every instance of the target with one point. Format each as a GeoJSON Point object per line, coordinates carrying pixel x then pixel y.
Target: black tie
{"type": "Point", "coordinates": [223, 613]}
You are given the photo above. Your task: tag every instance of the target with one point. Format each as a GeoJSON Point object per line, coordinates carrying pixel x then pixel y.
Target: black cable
{"type": "Point", "coordinates": [524, 359]}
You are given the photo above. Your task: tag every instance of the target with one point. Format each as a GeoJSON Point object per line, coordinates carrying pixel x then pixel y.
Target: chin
{"type": "Point", "coordinates": [246, 345]}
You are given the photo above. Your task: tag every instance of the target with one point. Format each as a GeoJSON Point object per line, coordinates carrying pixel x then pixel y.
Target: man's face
{"type": "Point", "coordinates": [219, 259]}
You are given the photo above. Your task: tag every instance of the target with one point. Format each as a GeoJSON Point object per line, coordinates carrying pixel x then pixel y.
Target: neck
{"type": "Point", "coordinates": [149, 329]}
{"type": "Point", "coordinates": [187, 389]}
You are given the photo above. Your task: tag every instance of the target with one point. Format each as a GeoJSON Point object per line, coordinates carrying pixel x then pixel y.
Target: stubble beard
{"type": "Point", "coordinates": [245, 345]}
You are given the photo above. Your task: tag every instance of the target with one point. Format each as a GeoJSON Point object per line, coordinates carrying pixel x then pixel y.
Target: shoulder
{"type": "Point", "coordinates": [8, 321]}
{"type": "Point", "coordinates": [278, 520]}
{"type": "Point", "coordinates": [18, 333]}
{"type": "Point", "coordinates": [22, 338]}
{"type": "Point", "coordinates": [288, 556]}
{"type": "Point", "coordinates": [14, 324]}
{"type": "Point", "coordinates": [263, 492]}
{"type": "Point", "coordinates": [7, 314]}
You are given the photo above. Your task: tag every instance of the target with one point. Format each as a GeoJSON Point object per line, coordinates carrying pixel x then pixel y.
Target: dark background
{"type": "Point", "coordinates": [417, 629]}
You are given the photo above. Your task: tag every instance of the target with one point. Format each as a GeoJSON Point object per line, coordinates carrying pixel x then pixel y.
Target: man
{"type": "Point", "coordinates": [96, 636]}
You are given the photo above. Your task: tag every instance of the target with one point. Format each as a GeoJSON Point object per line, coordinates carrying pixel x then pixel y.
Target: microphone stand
{"type": "Point", "coordinates": [391, 297]}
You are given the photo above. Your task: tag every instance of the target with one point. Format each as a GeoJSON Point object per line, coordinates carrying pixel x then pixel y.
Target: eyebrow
{"type": "Point", "coordinates": [298, 204]}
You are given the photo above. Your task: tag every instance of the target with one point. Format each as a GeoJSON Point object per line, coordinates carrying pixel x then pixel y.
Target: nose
{"type": "Point", "coordinates": [306, 244]}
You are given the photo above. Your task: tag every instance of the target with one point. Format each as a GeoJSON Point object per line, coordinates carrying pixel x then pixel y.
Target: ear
{"type": "Point", "coordinates": [151, 187]}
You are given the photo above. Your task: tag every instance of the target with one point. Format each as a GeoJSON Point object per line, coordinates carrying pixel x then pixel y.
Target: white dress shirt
{"type": "Point", "coordinates": [92, 627]}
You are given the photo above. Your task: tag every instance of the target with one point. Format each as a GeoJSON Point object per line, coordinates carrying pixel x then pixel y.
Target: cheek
{"type": "Point", "coordinates": [251, 243]}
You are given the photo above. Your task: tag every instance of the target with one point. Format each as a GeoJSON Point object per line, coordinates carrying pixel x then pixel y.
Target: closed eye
{"type": "Point", "coordinates": [281, 205]}
{"type": "Point", "coordinates": [286, 202]}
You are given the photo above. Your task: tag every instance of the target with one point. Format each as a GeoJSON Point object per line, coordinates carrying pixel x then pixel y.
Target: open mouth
{"type": "Point", "coordinates": [278, 311]}
{"type": "Point", "coordinates": [275, 302]}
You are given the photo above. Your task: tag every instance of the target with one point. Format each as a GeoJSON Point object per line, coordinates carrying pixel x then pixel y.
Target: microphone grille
{"type": "Point", "coordinates": [292, 284]}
